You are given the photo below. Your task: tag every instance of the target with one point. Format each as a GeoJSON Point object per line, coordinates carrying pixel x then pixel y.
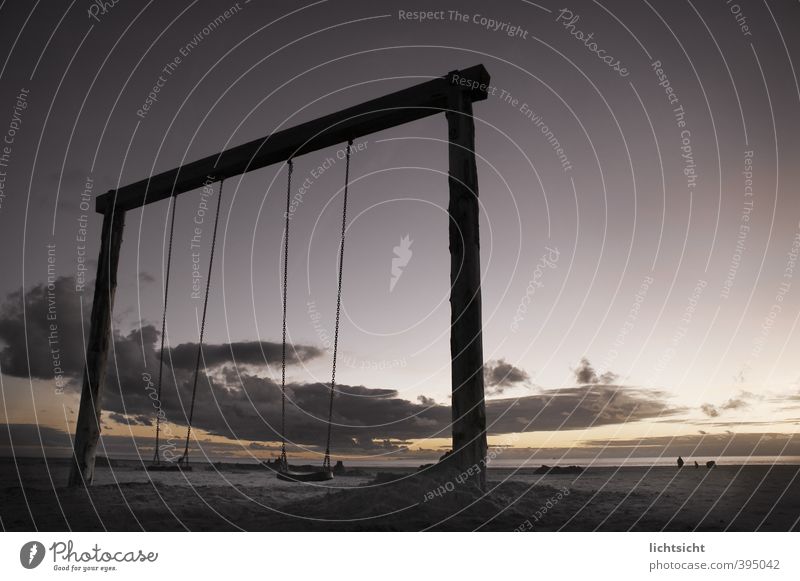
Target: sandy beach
{"type": "Point", "coordinates": [248, 497]}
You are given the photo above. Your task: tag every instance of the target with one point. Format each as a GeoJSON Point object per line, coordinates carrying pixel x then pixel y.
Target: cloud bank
{"type": "Point", "coordinates": [236, 400]}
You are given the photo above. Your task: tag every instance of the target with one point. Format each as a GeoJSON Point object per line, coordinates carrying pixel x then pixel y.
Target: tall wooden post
{"type": "Point", "coordinates": [466, 341]}
{"type": "Point", "coordinates": [87, 432]}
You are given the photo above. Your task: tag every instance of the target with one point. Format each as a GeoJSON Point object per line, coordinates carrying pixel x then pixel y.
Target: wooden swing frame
{"type": "Point", "coordinates": [453, 95]}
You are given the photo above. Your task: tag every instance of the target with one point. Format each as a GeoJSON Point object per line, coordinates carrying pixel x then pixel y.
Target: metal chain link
{"type": "Point", "coordinates": [185, 458]}
{"type": "Point", "coordinates": [283, 461]}
{"type": "Point", "coordinates": [156, 452]}
{"type": "Point", "coordinates": [326, 463]}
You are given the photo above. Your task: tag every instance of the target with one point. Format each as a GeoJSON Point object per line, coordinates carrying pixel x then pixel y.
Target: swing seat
{"type": "Point", "coordinates": [298, 476]}
{"type": "Point", "coordinates": [284, 471]}
{"type": "Point", "coordinates": [176, 466]}
{"type": "Point", "coordinates": [171, 467]}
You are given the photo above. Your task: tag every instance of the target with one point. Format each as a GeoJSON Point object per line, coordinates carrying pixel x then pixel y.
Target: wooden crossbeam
{"type": "Point", "coordinates": [404, 106]}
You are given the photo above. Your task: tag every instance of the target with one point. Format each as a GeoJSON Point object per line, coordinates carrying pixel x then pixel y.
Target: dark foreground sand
{"type": "Point", "coordinates": [633, 498]}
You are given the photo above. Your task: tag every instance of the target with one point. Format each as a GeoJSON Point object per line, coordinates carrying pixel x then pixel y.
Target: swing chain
{"type": "Point", "coordinates": [156, 452]}
{"type": "Point", "coordinates": [185, 458]}
{"type": "Point", "coordinates": [326, 463]}
{"type": "Point", "coordinates": [283, 461]}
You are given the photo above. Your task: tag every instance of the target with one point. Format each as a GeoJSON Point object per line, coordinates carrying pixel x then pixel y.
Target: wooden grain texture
{"type": "Point", "coordinates": [87, 431]}
{"type": "Point", "coordinates": [466, 342]}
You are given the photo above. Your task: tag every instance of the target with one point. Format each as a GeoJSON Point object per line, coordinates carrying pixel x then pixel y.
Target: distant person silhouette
{"type": "Point", "coordinates": [680, 462]}
{"type": "Point", "coordinates": [696, 465]}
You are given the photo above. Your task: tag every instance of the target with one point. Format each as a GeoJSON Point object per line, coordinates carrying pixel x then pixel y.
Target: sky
{"type": "Point", "coordinates": [640, 226]}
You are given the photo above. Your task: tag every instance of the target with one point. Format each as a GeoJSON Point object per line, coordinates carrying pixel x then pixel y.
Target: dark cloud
{"type": "Point", "coordinates": [266, 447]}
{"type": "Point", "coordinates": [245, 406]}
{"type": "Point", "coordinates": [33, 440]}
{"type": "Point", "coordinates": [25, 319]}
{"type": "Point", "coordinates": [385, 445]}
{"type": "Point", "coordinates": [234, 401]}
{"type": "Point", "coordinates": [579, 407]}
{"type": "Point", "coordinates": [499, 375]}
{"type": "Point", "coordinates": [241, 353]}
{"type": "Point", "coordinates": [787, 401]}
{"type": "Point", "coordinates": [132, 420]}
{"type": "Point", "coordinates": [733, 403]}
{"type": "Point", "coordinates": [365, 420]}
{"type": "Point", "coordinates": [585, 374]}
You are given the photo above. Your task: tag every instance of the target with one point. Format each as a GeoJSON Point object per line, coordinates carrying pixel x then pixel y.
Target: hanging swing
{"type": "Point", "coordinates": [325, 473]}
{"type": "Point", "coordinates": [157, 465]}
{"type": "Point", "coordinates": [284, 472]}
{"type": "Point", "coordinates": [183, 462]}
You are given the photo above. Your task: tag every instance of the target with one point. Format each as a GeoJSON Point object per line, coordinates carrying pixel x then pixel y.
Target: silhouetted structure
{"type": "Point", "coordinates": [452, 94]}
